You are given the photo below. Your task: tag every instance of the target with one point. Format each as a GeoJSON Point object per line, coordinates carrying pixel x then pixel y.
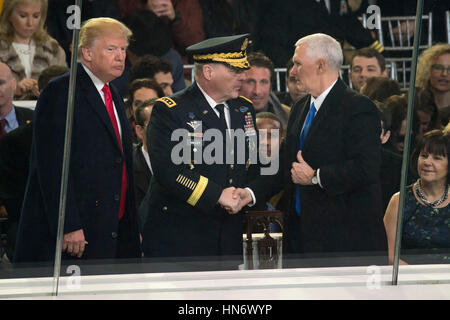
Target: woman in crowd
{"type": "Point", "coordinates": [426, 220]}
{"type": "Point", "coordinates": [25, 46]}
{"type": "Point", "coordinates": [433, 73]}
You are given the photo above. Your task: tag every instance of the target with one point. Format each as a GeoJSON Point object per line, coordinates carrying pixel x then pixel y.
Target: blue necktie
{"type": "Point", "coordinates": [308, 121]}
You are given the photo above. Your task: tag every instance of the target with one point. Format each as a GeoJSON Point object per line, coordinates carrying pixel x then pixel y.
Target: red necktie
{"type": "Point", "coordinates": [110, 108]}
{"type": "Point", "coordinates": [3, 123]}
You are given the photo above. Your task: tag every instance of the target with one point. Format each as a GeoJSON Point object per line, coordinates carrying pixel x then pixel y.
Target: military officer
{"type": "Point", "coordinates": [189, 205]}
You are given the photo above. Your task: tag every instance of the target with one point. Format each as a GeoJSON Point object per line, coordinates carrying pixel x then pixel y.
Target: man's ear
{"type": "Point", "coordinates": [386, 137]}
{"type": "Point", "coordinates": [208, 71]}
{"type": "Point", "coordinates": [385, 73]}
{"type": "Point", "coordinates": [321, 65]}
{"type": "Point", "coordinates": [13, 83]}
{"type": "Point", "coordinates": [139, 132]}
{"type": "Point", "coordinates": [86, 54]}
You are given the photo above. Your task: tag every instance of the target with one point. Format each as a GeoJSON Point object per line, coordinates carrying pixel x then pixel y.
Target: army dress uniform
{"type": "Point", "coordinates": [183, 217]}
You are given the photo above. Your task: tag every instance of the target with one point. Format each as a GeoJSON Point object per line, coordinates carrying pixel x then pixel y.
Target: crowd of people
{"type": "Point", "coordinates": [339, 150]}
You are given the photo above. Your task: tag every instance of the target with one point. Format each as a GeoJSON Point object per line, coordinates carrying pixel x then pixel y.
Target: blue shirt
{"type": "Point", "coordinates": [11, 120]}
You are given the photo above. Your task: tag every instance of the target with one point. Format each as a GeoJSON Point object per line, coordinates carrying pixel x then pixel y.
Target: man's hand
{"type": "Point", "coordinates": [228, 202]}
{"type": "Point", "coordinates": [3, 212]}
{"type": "Point", "coordinates": [26, 85]}
{"type": "Point", "coordinates": [74, 243]}
{"type": "Point", "coordinates": [244, 195]}
{"type": "Point", "coordinates": [162, 8]}
{"type": "Point", "coordinates": [301, 172]}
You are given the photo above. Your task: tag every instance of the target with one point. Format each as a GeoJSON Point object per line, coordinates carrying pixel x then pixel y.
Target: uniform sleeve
{"type": "Point", "coordinates": [177, 178]}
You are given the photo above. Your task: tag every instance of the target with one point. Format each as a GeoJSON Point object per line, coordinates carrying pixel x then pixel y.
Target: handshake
{"type": "Point", "coordinates": [233, 200]}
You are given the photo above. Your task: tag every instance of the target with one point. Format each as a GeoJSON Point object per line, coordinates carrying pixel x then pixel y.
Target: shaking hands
{"type": "Point", "coordinates": [234, 199]}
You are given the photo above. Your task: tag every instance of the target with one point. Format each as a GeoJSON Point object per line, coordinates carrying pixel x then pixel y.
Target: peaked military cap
{"type": "Point", "coordinates": [230, 50]}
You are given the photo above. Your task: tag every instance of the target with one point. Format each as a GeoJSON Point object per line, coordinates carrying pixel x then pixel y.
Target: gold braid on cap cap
{"type": "Point", "coordinates": [235, 59]}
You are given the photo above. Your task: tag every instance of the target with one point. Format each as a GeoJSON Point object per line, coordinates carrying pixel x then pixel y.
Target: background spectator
{"type": "Point", "coordinates": [141, 159]}
{"type": "Point", "coordinates": [144, 23]}
{"type": "Point", "coordinates": [391, 161]}
{"type": "Point", "coordinates": [49, 74]}
{"type": "Point", "coordinates": [433, 73]}
{"type": "Point", "coordinates": [380, 88]}
{"type": "Point", "coordinates": [366, 63]}
{"type": "Point", "coordinates": [25, 46]}
{"type": "Point", "coordinates": [153, 67]}
{"type": "Point", "coordinates": [294, 90]}
{"type": "Point", "coordinates": [286, 21]}
{"type": "Point", "coordinates": [139, 91]}
{"type": "Point", "coordinates": [257, 87]}
{"type": "Point", "coordinates": [427, 111]}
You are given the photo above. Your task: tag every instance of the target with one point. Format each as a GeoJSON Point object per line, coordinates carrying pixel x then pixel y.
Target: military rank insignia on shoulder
{"type": "Point", "coordinates": [167, 101]}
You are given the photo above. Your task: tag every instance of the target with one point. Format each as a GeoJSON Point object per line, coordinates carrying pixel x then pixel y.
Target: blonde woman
{"type": "Point", "coordinates": [433, 73]}
{"type": "Point", "coordinates": [25, 46]}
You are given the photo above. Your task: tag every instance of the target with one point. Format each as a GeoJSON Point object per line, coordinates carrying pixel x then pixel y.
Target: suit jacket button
{"type": "Point", "coordinates": [231, 166]}
{"type": "Point", "coordinates": [230, 181]}
{"type": "Point", "coordinates": [96, 203]}
{"type": "Point", "coordinates": [164, 208]}
{"type": "Point", "coordinates": [114, 235]}
{"type": "Point", "coordinates": [116, 197]}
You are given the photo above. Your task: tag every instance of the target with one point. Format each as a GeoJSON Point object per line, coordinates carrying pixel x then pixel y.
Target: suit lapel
{"type": "Point", "coordinates": [327, 107]}
{"type": "Point", "coordinates": [90, 94]}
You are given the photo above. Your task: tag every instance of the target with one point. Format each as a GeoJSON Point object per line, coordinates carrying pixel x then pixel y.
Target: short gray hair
{"type": "Point", "coordinates": [323, 46]}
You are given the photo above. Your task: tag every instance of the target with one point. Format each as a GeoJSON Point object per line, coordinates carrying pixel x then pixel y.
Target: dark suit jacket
{"type": "Point", "coordinates": [142, 174]}
{"type": "Point", "coordinates": [14, 158]}
{"type": "Point", "coordinates": [24, 115]}
{"type": "Point", "coordinates": [343, 141]}
{"type": "Point", "coordinates": [183, 217]}
{"type": "Point", "coordinates": [94, 181]}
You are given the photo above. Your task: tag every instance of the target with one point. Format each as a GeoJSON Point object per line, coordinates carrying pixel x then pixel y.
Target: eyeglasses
{"type": "Point", "coordinates": [440, 68]}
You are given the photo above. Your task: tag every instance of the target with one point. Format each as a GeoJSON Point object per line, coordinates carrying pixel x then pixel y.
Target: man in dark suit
{"type": "Point", "coordinates": [100, 214]}
{"type": "Point", "coordinates": [330, 160]}
{"type": "Point", "coordinates": [142, 164]}
{"type": "Point", "coordinates": [11, 117]}
{"type": "Point", "coordinates": [187, 200]}
{"type": "Point", "coordinates": [13, 155]}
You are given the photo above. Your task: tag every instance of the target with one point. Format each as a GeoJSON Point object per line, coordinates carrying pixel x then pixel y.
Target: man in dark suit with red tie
{"type": "Point", "coordinates": [330, 161]}
{"type": "Point", "coordinates": [100, 216]}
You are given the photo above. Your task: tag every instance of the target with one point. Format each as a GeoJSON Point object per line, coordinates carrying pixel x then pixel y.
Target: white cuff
{"type": "Point", "coordinates": [253, 198]}
{"type": "Point", "coordinates": [318, 177]}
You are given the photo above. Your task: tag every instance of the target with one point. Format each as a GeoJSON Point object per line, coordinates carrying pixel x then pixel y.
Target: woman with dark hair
{"type": "Point", "coordinates": [426, 220]}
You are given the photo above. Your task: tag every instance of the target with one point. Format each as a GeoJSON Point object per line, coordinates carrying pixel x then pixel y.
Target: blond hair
{"type": "Point", "coordinates": [94, 28]}
{"type": "Point", "coordinates": [7, 29]}
{"type": "Point", "coordinates": [426, 60]}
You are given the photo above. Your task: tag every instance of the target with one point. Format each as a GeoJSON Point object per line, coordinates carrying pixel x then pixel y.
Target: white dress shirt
{"type": "Point", "coordinates": [99, 84]}
{"type": "Point", "coordinates": [317, 104]}
{"type": "Point", "coordinates": [212, 103]}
